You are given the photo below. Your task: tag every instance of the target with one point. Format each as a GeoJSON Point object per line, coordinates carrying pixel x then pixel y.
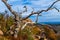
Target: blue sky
{"type": "Point", "coordinates": [50, 16]}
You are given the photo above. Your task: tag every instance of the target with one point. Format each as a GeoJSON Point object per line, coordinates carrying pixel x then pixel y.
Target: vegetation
{"type": "Point", "coordinates": [17, 28]}
{"type": "Point", "coordinates": [30, 32]}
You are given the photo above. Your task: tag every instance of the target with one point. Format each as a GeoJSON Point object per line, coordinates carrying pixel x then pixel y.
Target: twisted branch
{"type": "Point", "coordinates": [39, 12]}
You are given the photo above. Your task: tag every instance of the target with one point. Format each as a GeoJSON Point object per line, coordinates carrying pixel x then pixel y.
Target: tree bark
{"type": "Point", "coordinates": [17, 20]}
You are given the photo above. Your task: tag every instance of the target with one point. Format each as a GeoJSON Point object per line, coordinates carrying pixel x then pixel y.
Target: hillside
{"type": "Point", "coordinates": [29, 30]}
{"type": "Point", "coordinates": [33, 32]}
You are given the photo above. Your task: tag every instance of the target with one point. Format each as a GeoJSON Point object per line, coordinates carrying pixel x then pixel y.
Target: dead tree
{"type": "Point", "coordinates": [18, 20]}
{"type": "Point", "coordinates": [39, 12]}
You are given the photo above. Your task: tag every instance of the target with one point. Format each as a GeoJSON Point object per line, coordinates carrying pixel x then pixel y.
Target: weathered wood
{"type": "Point", "coordinates": [17, 18]}
{"type": "Point", "coordinates": [17, 21]}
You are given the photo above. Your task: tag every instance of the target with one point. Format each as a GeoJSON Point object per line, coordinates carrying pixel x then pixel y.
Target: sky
{"type": "Point", "coordinates": [50, 16]}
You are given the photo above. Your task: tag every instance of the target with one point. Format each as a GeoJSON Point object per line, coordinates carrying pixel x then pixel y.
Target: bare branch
{"type": "Point", "coordinates": [26, 25]}
{"type": "Point", "coordinates": [56, 9]}
{"type": "Point", "coordinates": [9, 7]}
{"type": "Point", "coordinates": [37, 18]}
{"type": "Point", "coordinates": [28, 16]}
{"type": "Point", "coordinates": [17, 21]}
{"type": "Point", "coordinates": [38, 12]}
{"type": "Point", "coordinates": [32, 9]}
{"type": "Point", "coordinates": [51, 5]}
{"type": "Point", "coordinates": [20, 14]}
{"type": "Point", "coordinates": [25, 9]}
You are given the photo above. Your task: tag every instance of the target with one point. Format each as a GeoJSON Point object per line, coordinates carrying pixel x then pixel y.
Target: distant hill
{"type": "Point", "coordinates": [42, 21]}
{"type": "Point", "coordinates": [50, 23]}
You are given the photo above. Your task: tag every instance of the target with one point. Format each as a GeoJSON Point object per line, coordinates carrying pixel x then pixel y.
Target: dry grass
{"type": "Point", "coordinates": [29, 32]}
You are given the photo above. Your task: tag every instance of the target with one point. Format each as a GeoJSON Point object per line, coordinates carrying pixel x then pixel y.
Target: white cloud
{"type": "Point", "coordinates": [12, 0]}
{"type": "Point", "coordinates": [37, 5]}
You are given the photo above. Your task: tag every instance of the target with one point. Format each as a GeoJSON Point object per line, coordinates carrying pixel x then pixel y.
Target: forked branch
{"type": "Point", "coordinates": [38, 12]}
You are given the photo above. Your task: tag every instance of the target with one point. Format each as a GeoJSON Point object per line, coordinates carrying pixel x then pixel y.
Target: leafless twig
{"type": "Point", "coordinates": [17, 18]}
{"type": "Point", "coordinates": [38, 12]}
